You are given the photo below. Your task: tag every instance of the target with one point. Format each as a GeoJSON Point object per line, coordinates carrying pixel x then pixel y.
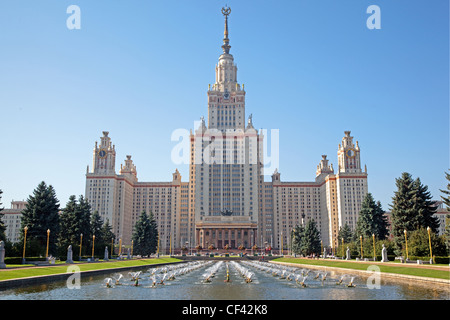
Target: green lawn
{"type": "Point", "coordinates": [6, 274]}
{"type": "Point", "coordinates": [413, 271]}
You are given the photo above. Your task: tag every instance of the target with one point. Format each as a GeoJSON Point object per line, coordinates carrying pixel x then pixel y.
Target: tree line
{"type": "Point", "coordinates": [74, 225]}
{"type": "Point", "coordinates": [412, 210]}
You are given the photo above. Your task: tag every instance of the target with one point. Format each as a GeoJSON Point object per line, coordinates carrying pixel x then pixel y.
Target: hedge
{"type": "Point", "coordinates": [18, 260]}
{"type": "Point", "coordinates": [438, 260]}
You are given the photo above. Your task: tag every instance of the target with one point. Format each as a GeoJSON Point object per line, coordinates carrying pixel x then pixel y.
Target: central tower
{"type": "Point", "coordinates": [225, 163]}
{"type": "Point", "coordinates": [226, 98]}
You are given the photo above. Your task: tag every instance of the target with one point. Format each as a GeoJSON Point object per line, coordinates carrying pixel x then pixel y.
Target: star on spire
{"type": "Point", "coordinates": [226, 42]}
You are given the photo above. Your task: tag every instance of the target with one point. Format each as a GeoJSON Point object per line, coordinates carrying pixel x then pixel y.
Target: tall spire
{"type": "Point", "coordinates": [226, 42]}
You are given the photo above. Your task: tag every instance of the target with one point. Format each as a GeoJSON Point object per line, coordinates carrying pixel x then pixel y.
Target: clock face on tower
{"type": "Point", "coordinates": [351, 153]}
{"type": "Point", "coordinates": [102, 153]}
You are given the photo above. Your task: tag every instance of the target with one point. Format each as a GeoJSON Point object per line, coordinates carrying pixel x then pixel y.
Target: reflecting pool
{"type": "Point", "coordinates": [226, 280]}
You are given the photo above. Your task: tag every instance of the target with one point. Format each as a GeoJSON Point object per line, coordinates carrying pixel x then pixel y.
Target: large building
{"type": "Point", "coordinates": [226, 200]}
{"type": "Point", "coordinates": [12, 220]}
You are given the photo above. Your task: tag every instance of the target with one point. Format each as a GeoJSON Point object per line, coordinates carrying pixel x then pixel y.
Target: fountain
{"type": "Point", "coordinates": [301, 282]}
{"type": "Point", "coordinates": [243, 271]}
{"type": "Point", "coordinates": [228, 274]}
{"type": "Point", "coordinates": [341, 279]}
{"type": "Point", "coordinates": [185, 281]}
{"type": "Point", "coordinates": [159, 276]}
{"type": "Point", "coordinates": [211, 271]}
{"type": "Point", "coordinates": [118, 279]}
{"type": "Point", "coordinates": [163, 278]}
{"type": "Point", "coordinates": [351, 285]}
{"type": "Point", "coordinates": [108, 282]}
{"type": "Point", "coordinates": [134, 275]}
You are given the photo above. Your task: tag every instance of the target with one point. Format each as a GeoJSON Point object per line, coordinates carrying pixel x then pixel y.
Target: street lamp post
{"type": "Point", "coordinates": [343, 248]}
{"type": "Point", "coordinates": [374, 255]}
{"type": "Point", "coordinates": [321, 248]}
{"type": "Point", "coordinates": [24, 243]}
{"type": "Point", "coordinates": [360, 240]}
{"type": "Point", "coordinates": [406, 242]}
{"type": "Point", "coordinates": [93, 245]}
{"type": "Point", "coordinates": [429, 240]}
{"type": "Point", "coordinates": [290, 242]}
{"type": "Point", "coordinates": [157, 249]}
{"type": "Point", "coordinates": [81, 244]}
{"type": "Point", "coordinates": [281, 243]}
{"type": "Point", "coordinates": [131, 248]}
{"type": "Point", "coordinates": [46, 250]}
{"type": "Point", "coordinates": [252, 235]}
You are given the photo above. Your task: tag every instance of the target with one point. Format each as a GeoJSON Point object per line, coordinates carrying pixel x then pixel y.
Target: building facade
{"type": "Point", "coordinates": [331, 200]}
{"type": "Point", "coordinates": [12, 220]}
{"type": "Point", "coordinates": [225, 200]}
{"type": "Point", "coordinates": [443, 215]}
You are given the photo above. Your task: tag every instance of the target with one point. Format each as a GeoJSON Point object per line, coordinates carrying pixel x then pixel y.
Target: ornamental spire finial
{"type": "Point", "coordinates": [226, 42]}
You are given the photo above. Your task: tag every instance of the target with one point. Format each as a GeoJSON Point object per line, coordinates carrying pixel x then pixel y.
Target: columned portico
{"type": "Point", "coordinates": [220, 231]}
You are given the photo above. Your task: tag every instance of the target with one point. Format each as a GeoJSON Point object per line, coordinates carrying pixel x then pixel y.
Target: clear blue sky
{"type": "Point", "coordinates": [141, 69]}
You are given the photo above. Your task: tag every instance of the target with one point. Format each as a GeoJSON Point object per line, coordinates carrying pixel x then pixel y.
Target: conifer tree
{"type": "Point", "coordinates": [106, 234]}
{"type": "Point", "coordinates": [447, 232]}
{"type": "Point", "coordinates": [412, 208]}
{"type": "Point", "coordinates": [145, 235]}
{"type": "Point", "coordinates": [381, 222]}
{"type": "Point", "coordinates": [41, 214]}
{"type": "Point", "coordinates": [297, 235]}
{"type": "Point", "coordinates": [425, 208]}
{"type": "Point", "coordinates": [69, 223]}
{"type": "Point", "coordinates": [311, 243]}
{"type": "Point", "coordinates": [365, 225]}
{"type": "Point", "coordinates": [371, 219]}
{"type": "Point", "coordinates": [403, 215]}
{"type": "Point", "coordinates": [96, 229]}
{"type": "Point", "coordinates": [446, 199]}
{"type": "Point", "coordinates": [345, 232]}
{"type": "Point", "coordinates": [154, 232]}
{"type": "Point", "coordinates": [84, 222]}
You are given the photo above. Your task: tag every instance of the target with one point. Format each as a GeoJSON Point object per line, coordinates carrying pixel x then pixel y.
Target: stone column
{"type": "Point", "coordinates": [202, 237]}
{"type": "Point", "coordinates": [2, 255]}
{"type": "Point", "coordinates": [210, 238]}
{"type": "Point", "coordinates": [216, 242]}
{"type": "Point", "coordinates": [233, 237]}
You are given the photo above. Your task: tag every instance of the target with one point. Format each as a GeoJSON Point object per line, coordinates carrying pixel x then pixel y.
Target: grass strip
{"type": "Point", "coordinates": [43, 271]}
{"type": "Point", "coordinates": [411, 271]}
